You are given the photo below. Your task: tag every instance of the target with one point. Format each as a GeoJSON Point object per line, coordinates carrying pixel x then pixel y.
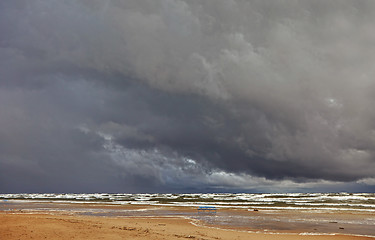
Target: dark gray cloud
{"type": "Point", "coordinates": [173, 95]}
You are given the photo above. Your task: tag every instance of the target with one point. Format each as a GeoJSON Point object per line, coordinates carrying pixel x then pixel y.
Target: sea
{"type": "Point", "coordinates": [299, 213]}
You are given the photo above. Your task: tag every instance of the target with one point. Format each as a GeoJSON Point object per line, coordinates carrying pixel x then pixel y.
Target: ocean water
{"type": "Point", "coordinates": [309, 213]}
{"type": "Point", "coordinates": [301, 201]}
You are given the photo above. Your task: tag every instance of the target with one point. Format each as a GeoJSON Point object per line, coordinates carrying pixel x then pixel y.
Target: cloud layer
{"type": "Point", "coordinates": [173, 95]}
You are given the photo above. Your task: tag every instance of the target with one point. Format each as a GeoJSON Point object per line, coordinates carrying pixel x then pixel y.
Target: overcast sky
{"type": "Point", "coordinates": [187, 96]}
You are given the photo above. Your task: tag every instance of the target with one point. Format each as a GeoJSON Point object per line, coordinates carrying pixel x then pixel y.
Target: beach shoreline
{"type": "Point", "coordinates": [253, 220]}
{"type": "Point", "coordinates": [265, 215]}
{"type": "Point", "coordinates": [19, 225]}
{"type": "Point", "coordinates": [59, 220]}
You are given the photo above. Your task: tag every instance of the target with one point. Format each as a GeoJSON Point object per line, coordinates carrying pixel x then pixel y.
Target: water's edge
{"type": "Point", "coordinates": [312, 213]}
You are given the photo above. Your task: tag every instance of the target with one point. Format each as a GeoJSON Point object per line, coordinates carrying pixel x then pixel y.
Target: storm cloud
{"type": "Point", "coordinates": [174, 96]}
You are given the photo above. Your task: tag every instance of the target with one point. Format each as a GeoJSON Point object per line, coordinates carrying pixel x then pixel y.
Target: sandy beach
{"type": "Point", "coordinates": [18, 225]}
{"type": "Point", "coordinates": [140, 219]}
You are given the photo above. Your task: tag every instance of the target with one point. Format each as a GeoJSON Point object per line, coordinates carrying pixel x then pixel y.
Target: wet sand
{"type": "Point", "coordinates": [66, 220]}
{"type": "Point", "coordinates": [16, 225]}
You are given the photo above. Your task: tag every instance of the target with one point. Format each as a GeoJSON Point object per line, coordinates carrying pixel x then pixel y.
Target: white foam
{"type": "Point", "coordinates": [298, 201]}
